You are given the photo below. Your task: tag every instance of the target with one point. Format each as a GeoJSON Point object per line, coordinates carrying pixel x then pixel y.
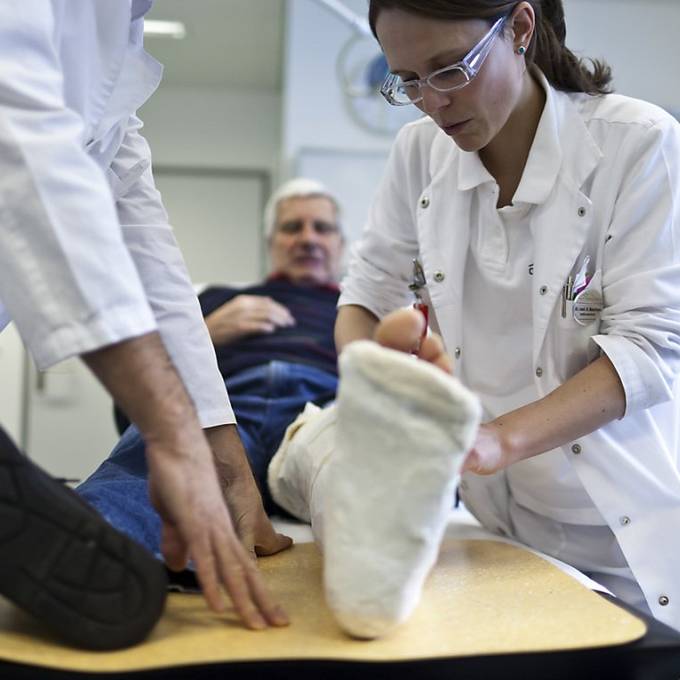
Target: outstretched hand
{"type": "Point", "coordinates": [197, 525]}
{"type": "Point", "coordinates": [183, 480]}
{"type": "Point", "coordinates": [243, 498]}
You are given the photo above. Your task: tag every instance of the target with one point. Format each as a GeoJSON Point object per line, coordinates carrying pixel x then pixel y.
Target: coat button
{"type": "Point", "coordinates": [539, 372]}
{"type": "Point", "coordinates": [543, 290]}
{"type": "Point", "coordinates": [439, 276]}
{"type": "Point", "coordinates": [457, 352]}
{"type": "Point", "coordinates": [581, 212]}
{"type": "Point", "coordinates": [576, 448]}
{"type": "Point", "coordinates": [664, 600]}
{"type": "Point", "coordinates": [624, 521]}
{"type": "Point", "coordinates": [424, 202]}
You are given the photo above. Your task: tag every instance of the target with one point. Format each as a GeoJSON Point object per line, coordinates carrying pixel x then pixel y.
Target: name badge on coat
{"type": "Point", "coordinates": [588, 303]}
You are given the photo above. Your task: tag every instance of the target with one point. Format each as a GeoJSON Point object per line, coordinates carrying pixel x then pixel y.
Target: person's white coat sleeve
{"type": "Point", "coordinates": [381, 265]}
{"type": "Point", "coordinates": [161, 267]}
{"type": "Point", "coordinates": [66, 276]}
{"type": "Point", "coordinates": [640, 330]}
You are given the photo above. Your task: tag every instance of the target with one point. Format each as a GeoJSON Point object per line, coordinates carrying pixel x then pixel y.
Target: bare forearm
{"type": "Point", "coordinates": [140, 376]}
{"type": "Point", "coordinates": [353, 323]}
{"type": "Point", "coordinates": [229, 454]}
{"type": "Point", "coordinates": [586, 402]}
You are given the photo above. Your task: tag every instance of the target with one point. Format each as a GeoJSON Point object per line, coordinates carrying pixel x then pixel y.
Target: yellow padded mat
{"type": "Point", "coordinates": [483, 597]}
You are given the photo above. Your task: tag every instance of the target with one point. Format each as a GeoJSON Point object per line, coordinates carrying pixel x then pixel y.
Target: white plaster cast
{"type": "Point", "coordinates": [403, 428]}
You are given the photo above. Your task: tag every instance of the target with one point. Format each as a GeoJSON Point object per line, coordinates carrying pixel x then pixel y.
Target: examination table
{"type": "Point", "coordinates": [489, 609]}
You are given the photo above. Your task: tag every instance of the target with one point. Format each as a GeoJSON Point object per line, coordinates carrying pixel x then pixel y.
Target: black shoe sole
{"type": "Point", "coordinates": [61, 562]}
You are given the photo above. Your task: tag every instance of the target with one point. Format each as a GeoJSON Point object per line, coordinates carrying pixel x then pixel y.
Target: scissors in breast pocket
{"type": "Point", "coordinates": [416, 286]}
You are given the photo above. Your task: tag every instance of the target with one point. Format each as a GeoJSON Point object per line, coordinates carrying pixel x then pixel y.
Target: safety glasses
{"type": "Point", "coordinates": [400, 92]}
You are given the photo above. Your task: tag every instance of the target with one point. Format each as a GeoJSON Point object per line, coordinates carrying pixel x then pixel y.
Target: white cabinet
{"type": "Point", "coordinates": [11, 382]}
{"type": "Point", "coordinates": [61, 418]}
{"type": "Point", "coordinates": [69, 420]}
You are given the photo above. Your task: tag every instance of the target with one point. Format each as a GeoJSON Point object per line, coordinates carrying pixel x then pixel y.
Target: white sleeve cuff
{"type": "Point", "coordinates": [217, 416]}
{"type": "Point", "coordinates": [105, 327]}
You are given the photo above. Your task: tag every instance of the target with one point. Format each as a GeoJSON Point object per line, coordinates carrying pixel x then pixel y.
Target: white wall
{"type": "Point", "coordinates": [639, 39]}
{"type": "Point", "coordinates": [232, 131]}
{"type": "Point", "coordinates": [11, 382]}
{"type": "Point", "coordinates": [213, 128]}
{"type": "Point", "coordinates": [314, 111]}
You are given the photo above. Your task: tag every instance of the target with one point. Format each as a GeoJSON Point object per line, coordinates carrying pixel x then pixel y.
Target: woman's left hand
{"type": "Point", "coordinates": [490, 452]}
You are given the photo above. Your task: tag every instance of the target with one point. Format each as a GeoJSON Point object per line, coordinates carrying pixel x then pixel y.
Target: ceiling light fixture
{"type": "Point", "coordinates": [164, 29]}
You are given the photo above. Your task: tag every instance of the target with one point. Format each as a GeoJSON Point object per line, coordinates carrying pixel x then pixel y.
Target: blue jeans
{"type": "Point", "coordinates": [265, 399]}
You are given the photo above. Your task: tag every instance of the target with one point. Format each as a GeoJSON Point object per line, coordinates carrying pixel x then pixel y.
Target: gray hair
{"type": "Point", "coordinates": [300, 187]}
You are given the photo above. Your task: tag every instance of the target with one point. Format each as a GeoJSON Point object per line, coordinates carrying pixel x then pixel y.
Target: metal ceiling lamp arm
{"type": "Point", "coordinates": [357, 22]}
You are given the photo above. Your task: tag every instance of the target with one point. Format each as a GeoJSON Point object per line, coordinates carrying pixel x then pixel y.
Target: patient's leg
{"type": "Point", "coordinates": [377, 475]}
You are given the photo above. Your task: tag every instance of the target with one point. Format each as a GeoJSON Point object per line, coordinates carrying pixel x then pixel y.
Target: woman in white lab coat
{"type": "Point", "coordinates": [89, 266]}
{"type": "Point", "coordinates": [546, 215]}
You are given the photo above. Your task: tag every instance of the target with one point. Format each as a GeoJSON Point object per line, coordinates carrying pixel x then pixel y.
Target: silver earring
{"type": "Point", "coordinates": [521, 50]}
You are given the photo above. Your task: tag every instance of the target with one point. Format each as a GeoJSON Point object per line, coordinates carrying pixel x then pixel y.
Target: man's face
{"type": "Point", "coordinates": [307, 244]}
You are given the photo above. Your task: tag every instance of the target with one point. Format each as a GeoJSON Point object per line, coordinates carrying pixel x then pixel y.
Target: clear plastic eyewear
{"type": "Point", "coordinates": [400, 92]}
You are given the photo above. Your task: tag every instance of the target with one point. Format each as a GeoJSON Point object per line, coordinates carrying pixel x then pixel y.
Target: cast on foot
{"type": "Point", "coordinates": [403, 428]}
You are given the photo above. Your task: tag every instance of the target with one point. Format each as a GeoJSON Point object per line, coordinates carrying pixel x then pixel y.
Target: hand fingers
{"type": "Point", "coordinates": [221, 559]}
{"type": "Point", "coordinates": [274, 544]}
{"type": "Point", "coordinates": [248, 594]}
{"type": "Point", "coordinates": [273, 613]}
{"type": "Point", "coordinates": [261, 308]}
{"type": "Point", "coordinates": [206, 573]}
{"type": "Point", "coordinates": [259, 537]}
{"type": "Point", "coordinates": [279, 313]}
{"type": "Point", "coordinates": [275, 313]}
{"type": "Point", "coordinates": [173, 548]}
{"type": "Point", "coordinates": [257, 326]}
{"type": "Point", "coordinates": [233, 571]}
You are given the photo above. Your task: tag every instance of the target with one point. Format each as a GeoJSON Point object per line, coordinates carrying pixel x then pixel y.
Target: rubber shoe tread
{"type": "Point", "coordinates": [61, 562]}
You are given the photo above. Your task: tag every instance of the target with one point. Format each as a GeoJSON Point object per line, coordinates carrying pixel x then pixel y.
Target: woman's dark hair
{"type": "Point", "coordinates": [563, 69]}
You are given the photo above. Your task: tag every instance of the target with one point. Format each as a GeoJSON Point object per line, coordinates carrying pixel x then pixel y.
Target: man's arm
{"type": "Point", "coordinates": [241, 494]}
{"type": "Point", "coordinates": [184, 335]}
{"type": "Point", "coordinates": [71, 286]}
{"type": "Point", "coordinates": [182, 481]}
